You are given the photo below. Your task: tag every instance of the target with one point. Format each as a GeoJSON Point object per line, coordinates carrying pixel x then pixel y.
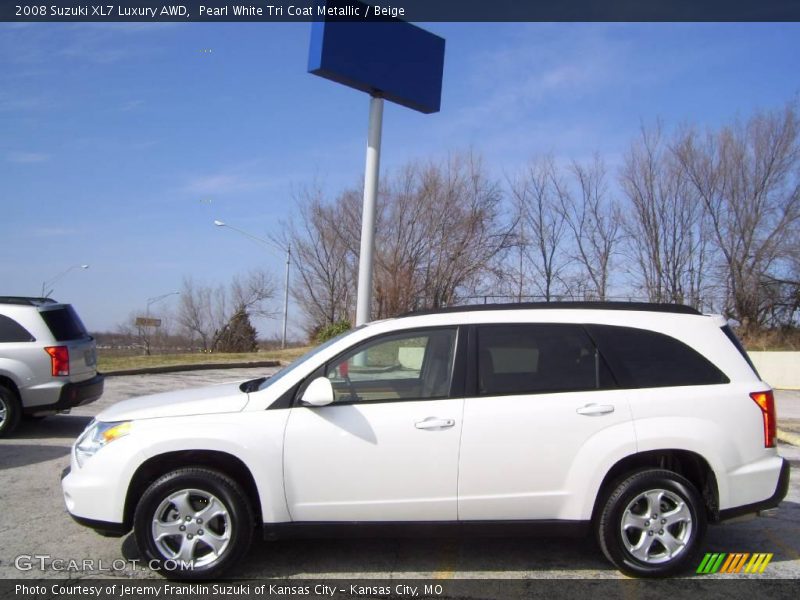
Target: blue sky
{"type": "Point", "coordinates": [121, 143]}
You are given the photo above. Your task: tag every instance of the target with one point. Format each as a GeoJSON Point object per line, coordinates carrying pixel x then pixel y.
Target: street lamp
{"type": "Point", "coordinates": [48, 283]}
{"type": "Point", "coordinates": [156, 299]}
{"type": "Point", "coordinates": [288, 250]}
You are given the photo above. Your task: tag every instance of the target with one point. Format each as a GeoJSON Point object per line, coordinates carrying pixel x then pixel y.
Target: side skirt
{"type": "Point", "coordinates": [403, 529]}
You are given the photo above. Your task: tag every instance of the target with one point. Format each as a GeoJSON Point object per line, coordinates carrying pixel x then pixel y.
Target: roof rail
{"type": "Point", "coordinates": [640, 306]}
{"type": "Point", "coordinates": [26, 300]}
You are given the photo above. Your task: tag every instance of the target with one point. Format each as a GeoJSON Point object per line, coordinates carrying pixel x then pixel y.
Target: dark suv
{"type": "Point", "coordinates": [47, 360]}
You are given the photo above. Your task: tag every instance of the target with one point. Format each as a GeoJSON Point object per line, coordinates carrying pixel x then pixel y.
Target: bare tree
{"type": "Point", "coordinates": [324, 284]}
{"type": "Point", "coordinates": [462, 236]}
{"type": "Point", "coordinates": [205, 311]}
{"type": "Point", "coordinates": [541, 229]}
{"type": "Point", "coordinates": [747, 177]}
{"type": "Point", "coordinates": [594, 222]}
{"type": "Point", "coordinates": [195, 312]}
{"type": "Point", "coordinates": [439, 232]}
{"type": "Point", "coordinates": [664, 223]}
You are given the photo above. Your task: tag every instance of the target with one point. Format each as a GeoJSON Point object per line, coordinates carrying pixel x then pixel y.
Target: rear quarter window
{"type": "Point", "coordinates": [64, 324]}
{"type": "Point", "coordinates": [642, 359]}
{"type": "Point", "coordinates": [11, 331]}
{"type": "Point", "coordinates": [738, 345]}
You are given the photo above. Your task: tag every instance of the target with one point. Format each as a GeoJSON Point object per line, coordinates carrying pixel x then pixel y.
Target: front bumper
{"type": "Point", "coordinates": [95, 494]}
{"type": "Point", "coordinates": [781, 489]}
{"type": "Point", "coordinates": [72, 395]}
{"type": "Point", "coordinates": [104, 528]}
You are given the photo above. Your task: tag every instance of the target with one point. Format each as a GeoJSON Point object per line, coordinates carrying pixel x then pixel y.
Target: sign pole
{"type": "Point", "coordinates": [368, 213]}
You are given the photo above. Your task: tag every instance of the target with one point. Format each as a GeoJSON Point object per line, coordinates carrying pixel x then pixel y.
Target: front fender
{"type": "Point", "coordinates": [255, 438]}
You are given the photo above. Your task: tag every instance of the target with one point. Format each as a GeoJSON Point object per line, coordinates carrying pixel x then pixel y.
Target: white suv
{"type": "Point", "coordinates": [640, 422]}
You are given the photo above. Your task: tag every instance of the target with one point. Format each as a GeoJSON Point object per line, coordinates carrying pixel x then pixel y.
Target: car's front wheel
{"type": "Point", "coordinates": [9, 411]}
{"type": "Point", "coordinates": [652, 524]}
{"type": "Point", "coordinates": [193, 523]}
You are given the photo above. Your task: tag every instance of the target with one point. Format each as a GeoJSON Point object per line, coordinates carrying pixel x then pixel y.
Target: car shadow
{"type": "Point", "coordinates": [56, 426]}
{"type": "Point", "coordinates": [22, 455]}
{"type": "Point", "coordinates": [420, 557]}
{"type": "Point", "coordinates": [407, 557]}
{"type": "Point", "coordinates": [515, 557]}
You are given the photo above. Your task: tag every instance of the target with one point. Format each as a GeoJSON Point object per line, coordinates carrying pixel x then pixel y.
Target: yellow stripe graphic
{"type": "Point", "coordinates": [758, 563]}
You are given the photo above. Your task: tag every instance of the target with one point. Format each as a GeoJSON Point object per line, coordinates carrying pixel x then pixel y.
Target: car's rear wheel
{"type": "Point", "coordinates": [652, 524]}
{"type": "Point", "coordinates": [193, 523]}
{"type": "Point", "coordinates": [9, 411]}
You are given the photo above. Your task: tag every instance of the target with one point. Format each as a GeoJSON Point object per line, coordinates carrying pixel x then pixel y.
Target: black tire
{"type": "Point", "coordinates": [647, 546]}
{"type": "Point", "coordinates": [10, 410]}
{"type": "Point", "coordinates": [229, 523]}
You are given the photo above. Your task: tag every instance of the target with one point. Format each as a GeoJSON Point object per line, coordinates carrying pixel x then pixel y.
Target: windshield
{"type": "Point", "coordinates": [303, 359]}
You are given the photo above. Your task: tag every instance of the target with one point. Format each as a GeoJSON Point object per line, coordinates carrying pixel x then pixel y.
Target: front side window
{"type": "Point", "coordinates": [537, 358]}
{"type": "Point", "coordinates": [408, 366]}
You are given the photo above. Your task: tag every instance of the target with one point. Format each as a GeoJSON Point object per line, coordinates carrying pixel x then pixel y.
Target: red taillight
{"type": "Point", "coordinates": [59, 360]}
{"type": "Point", "coordinates": [766, 402]}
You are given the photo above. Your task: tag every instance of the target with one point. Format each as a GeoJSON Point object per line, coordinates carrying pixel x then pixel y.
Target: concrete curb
{"type": "Point", "coordinates": [788, 437]}
{"type": "Point", "coordinates": [192, 367]}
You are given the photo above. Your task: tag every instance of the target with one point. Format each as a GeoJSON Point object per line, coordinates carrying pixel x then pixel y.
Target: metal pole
{"type": "Point", "coordinates": [286, 295]}
{"type": "Point", "coordinates": [368, 214]}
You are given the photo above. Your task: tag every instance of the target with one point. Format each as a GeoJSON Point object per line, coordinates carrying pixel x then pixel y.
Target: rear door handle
{"type": "Point", "coordinates": [595, 410]}
{"type": "Point", "coordinates": [434, 423]}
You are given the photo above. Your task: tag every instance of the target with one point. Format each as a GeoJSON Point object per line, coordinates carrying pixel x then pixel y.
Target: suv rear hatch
{"type": "Point", "coordinates": [69, 332]}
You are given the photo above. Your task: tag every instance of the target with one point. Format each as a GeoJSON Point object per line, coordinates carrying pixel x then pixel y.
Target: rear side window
{"type": "Point", "coordinates": [541, 358]}
{"type": "Point", "coordinates": [735, 341]}
{"type": "Point", "coordinates": [64, 324]}
{"type": "Point", "coordinates": [11, 331]}
{"type": "Point", "coordinates": [643, 359]}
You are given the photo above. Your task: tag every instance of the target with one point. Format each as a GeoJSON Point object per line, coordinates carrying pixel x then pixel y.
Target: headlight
{"type": "Point", "coordinates": [96, 436]}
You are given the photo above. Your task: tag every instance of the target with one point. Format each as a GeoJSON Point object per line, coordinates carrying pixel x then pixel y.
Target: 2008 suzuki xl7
{"type": "Point", "coordinates": [640, 422]}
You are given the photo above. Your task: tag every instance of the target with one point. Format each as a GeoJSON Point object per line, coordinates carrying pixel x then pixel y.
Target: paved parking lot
{"type": "Point", "coordinates": [33, 521]}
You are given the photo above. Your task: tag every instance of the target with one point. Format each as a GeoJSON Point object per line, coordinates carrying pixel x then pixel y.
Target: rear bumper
{"type": "Point", "coordinates": [781, 489]}
{"type": "Point", "coordinates": [72, 395]}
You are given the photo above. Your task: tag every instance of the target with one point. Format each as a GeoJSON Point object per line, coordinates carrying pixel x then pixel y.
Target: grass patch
{"type": "Point", "coordinates": [107, 363]}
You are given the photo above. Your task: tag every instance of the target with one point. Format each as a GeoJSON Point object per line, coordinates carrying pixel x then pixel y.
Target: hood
{"type": "Point", "coordinates": [213, 399]}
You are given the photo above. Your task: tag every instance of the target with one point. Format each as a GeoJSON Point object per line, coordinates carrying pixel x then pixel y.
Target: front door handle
{"type": "Point", "coordinates": [434, 423]}
{"type": "Point", "coordinates": [595, 410]}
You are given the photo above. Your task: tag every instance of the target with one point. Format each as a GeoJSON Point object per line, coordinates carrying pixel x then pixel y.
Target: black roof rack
{"type": "Point", "coordinates": [641, 306]}
{"type": "Point", "coordinates": [26, 300]}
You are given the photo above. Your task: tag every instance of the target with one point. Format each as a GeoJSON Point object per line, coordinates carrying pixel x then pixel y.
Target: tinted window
{"type": "Point", "coordinates": [412, 365]}
{"type": "Point", "coordinates": [11, 331]}
{"type": "Point", "coordinates": [641, 358]}
{"type": "Point", "coordinates": [735, 341]}
{"type": "Point", "coordinates": [527, 359]}
{"type": "Point", "coordinates": [64, 324]}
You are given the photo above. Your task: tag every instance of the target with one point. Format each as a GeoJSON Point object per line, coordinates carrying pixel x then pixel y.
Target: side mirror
{"type": "Point", "coordinates": [319, 392]}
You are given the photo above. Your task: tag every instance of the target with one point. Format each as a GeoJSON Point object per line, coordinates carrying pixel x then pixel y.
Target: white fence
{"type": "Point", "coordinates": [779, 369]}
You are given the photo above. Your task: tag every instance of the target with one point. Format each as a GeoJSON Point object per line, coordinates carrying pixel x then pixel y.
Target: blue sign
{"type": "Point", "coordinates": [391, 59]}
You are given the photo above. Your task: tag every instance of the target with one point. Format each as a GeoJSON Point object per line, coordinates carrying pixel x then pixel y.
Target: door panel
{"type": "Point", "coordinates": [540, 415]}
{"type": "Point", "coordinates": [517, 451]}
{"type": "Point", "coordinates": [372, 462]}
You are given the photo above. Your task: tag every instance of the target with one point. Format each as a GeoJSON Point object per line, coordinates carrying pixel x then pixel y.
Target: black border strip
{"type": "Point", "coordinates": [408, 10]}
